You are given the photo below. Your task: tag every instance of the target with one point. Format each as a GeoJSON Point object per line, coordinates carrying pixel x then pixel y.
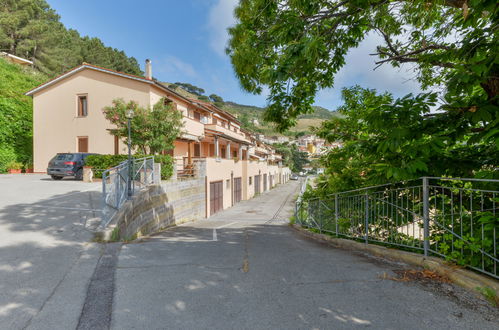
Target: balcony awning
{"type": "Point", "coordinates": [189, 137]}
{"type": "Point", "coordinates": [210, 132]}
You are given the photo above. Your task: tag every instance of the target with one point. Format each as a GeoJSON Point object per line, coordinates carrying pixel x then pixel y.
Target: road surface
{"type": "Point", "coordinates": [244, 268]}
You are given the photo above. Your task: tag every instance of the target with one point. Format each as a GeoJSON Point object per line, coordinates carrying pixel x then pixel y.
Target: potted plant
{"type": "Point", "coordinates": [28, 167]}
{"type": "Point", "coordinates": [14, 167]}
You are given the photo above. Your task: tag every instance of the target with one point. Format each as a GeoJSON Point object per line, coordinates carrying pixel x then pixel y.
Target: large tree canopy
{"type": "Point", "coordinates": [295, 48]}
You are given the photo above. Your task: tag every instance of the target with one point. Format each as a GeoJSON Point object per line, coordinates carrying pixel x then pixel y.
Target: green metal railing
{"type": "Point", "coordinates": [454, 218]}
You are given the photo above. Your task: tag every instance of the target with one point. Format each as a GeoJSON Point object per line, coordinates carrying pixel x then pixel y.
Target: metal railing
{"type": "Point", "coordinates": [115, 189]}
{"type": "Point", "coordinates": [454, 218]}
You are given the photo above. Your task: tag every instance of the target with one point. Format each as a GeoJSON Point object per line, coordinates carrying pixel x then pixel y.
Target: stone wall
{"type": "Point", "coordinates": [160, 206]}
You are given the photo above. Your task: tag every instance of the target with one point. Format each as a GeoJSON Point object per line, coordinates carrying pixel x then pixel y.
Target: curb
{"type": "Point", "coordinates": [462, 277]}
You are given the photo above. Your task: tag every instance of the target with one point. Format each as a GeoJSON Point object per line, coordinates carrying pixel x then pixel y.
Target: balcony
{"type": "Point", "coordinates": [193, 127]}
{"type": "Point", "coordinates": [237, 136]}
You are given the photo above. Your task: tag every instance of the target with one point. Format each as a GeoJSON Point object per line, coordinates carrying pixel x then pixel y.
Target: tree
{"type": "Point", "coordinates": [153, 130]}
{"type": "Point", "coordinates": [386, 139]}
{"type": "Point", "coordinates": [32, 29]}
{"type": "Point", "coordinates": [215, 98]}
{"type": "Point", "coordinates": [296, 47]}
{"type": "Point", "coordinates": [191, 88]}
{"type": "Point", "coordinates": [292, 156]}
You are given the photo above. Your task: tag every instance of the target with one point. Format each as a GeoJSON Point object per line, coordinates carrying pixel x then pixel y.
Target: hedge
{"type": "Point", "coordinates": [100, 163]}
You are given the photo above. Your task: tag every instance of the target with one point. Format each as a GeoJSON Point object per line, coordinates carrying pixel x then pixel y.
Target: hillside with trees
{"type": "Point", "coordinates": [31, 29]}
{"type": "Point", "coordinates": [251, 116]}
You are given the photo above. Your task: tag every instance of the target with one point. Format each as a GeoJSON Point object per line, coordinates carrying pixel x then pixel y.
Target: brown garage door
{"type": "Point", "coordinates": [216, 196]}
{"type": "Point", "coordinates": [257, 184]}
{"type": "Point", "coordinates": [238, 192]}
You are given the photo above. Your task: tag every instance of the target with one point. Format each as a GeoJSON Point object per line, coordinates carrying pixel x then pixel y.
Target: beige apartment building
{"type": "Point", "coordinates": [68, 117]}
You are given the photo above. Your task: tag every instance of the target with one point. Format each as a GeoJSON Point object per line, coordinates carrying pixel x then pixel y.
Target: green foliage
{"type": "Point", "coordinates": [152, 130]}
{"type": "Point", "coordinates": [392, 140]}
{"type": "Point", "coordinates": [292, 156]}
{"type": "Point", "coordinates": [103, 162]}
{"type": "Point", "coordinates": [13, 165]}
{"type": "Point", "coordinates": [99, 163]}
{"type": "Point", "coordinates": [7, 155]}
{"type": "Point", "coordinates": [32, 30]}
{"type": "Point", "coordinates": [489, 294]}
{"type": "Point", "coordinates": [16, 128]}
{"type": "Point", "coordinates": [295, 48]}
{"type": "Point", "coordinates": [215, 98]}
{"type": "Point", "coordinates": [190, 88]}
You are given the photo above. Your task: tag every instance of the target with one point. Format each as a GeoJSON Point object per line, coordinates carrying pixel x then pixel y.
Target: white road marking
{"type": "Point", "coordinates": [226, 225]}
{"type": "Point", "coordinates": [215, 237]}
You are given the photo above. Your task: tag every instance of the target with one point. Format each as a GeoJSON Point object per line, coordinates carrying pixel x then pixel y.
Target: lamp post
{"type": "Point", "coordinates": [129, 116]}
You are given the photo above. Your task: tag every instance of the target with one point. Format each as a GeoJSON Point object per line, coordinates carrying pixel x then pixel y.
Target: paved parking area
{"type": "Point", "coordinates": [46, 258]}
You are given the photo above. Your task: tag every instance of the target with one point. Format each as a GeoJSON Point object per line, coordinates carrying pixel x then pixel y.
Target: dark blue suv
{"type": "Point", "coordinates": [67, 164]}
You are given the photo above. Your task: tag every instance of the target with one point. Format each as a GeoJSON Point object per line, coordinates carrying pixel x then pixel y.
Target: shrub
{"type": "Point", "coordinates": [7, 155]}
{"type": "Point", "coordinates": [13, 165]}
{"type": "Point", "coordinates": [99, 163]}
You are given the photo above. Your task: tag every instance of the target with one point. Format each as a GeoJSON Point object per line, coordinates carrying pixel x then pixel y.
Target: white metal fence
{"type": "Point", "coordinates": [116, 188]}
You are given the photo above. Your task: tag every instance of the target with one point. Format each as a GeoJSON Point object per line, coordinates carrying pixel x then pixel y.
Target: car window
{"type": "Point", "coordinates": [64, 157]}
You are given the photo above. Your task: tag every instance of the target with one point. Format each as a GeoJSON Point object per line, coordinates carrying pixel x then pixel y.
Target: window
{"type": "Point", "coordinates": [227, 184]}
{"type": "Point", "coordinates": [250, 180]}
{"type": "Point", "coordinates": [197, 116]}
{"type": "Point", "coordinates": [215, 121]}
{"type": "Point", "coordinates": [234, 154]}
{"type": "Point", "coordinates": [82, 106]}
{"type": "Point", "coordinates": [83, 144]}
{"type": "Point", "coordinates": [197, 150]}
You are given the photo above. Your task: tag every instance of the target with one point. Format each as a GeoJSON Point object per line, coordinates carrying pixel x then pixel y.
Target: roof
{"type": "Point", "coordinates": [216, 109]}
{"type": "Point", "coordinates": [85, 66]}
{"type": "Point", "coordinates": [16, 59]}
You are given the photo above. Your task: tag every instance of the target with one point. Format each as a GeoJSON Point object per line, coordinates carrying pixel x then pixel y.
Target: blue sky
{"type": "Point", "coordinates": [186, 40]}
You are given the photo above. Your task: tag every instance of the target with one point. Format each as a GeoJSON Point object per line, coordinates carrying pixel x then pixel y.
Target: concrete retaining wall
{"type": "Point", "coordinates": [160, 206]}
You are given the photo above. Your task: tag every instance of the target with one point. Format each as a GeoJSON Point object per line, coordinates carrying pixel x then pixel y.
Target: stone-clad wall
{"type": "Point", "coordinates": [160, 206]}
{"type": "Point", "coordinates": [187, 198]}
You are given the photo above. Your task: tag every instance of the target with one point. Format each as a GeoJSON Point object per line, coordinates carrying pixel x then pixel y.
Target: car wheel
{"type": "Point", "coordinates": [79, 174]}
{"type": "Point", "coordinates": [55, 177]}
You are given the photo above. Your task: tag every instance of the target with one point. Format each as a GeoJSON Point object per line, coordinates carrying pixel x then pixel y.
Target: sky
{"type": "Point", "coordinates": [186, 41]}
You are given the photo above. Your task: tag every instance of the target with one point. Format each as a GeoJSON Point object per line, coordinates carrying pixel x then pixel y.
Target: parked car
{"type": "Point", "coordinates": [294, 177]}
{"type": "Point", "coordinates": [67, 164]}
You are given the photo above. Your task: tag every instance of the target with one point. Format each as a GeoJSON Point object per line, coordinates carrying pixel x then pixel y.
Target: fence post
{"type": "Point", "coordinates": [336, 212]}
{"type": "Point", "coordinates": [426, 216]}
{"type": "Point", "coordinates": [320, 216]}
{"type": "Point", "coordinates": [104, 194]}
{"type": "Point", "coordinates": [367, 218]}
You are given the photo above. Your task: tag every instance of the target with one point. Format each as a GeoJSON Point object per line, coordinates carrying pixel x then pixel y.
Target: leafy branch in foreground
{"type": "Point", "coordinates": [296, 48]}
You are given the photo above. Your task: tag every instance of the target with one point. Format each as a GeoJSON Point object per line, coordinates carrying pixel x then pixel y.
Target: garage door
{"type": "Point", "coordinates": [257, 184]}
{"type": "Point", "coordinates": [216, 197]}
{"type": "Point", "coordinates": [238, 192]}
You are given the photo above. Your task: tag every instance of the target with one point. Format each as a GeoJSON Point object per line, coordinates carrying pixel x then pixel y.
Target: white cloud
{"type": "Point", "coordinates": [172, 66]}
{"type": "Point", "coordinates": [220, 17]}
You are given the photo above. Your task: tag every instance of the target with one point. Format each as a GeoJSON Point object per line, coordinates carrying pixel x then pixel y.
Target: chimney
{"type": "Point", "coordinates": [148, 69]}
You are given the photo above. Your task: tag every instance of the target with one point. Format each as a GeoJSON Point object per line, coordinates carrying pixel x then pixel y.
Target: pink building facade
{"type": "Point", "coordinates": [68, 117]}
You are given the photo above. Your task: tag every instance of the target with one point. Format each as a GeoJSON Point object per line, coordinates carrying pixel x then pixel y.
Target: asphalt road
{"type": "Point", "coordinates": [245, 269]}
{"type": "Point", "coordinates": [46, 260]}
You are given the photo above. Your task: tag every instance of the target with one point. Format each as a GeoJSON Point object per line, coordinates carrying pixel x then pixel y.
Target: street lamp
{"type": "Point", "coordinates": [129, 115]}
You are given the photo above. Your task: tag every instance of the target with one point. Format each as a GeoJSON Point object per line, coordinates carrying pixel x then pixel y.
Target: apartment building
{"type": "Point", "coordinates": [68, 117]}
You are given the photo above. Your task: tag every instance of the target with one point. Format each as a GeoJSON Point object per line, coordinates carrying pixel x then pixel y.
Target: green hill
{"type": "Point", "coordinates": [16, 127]}
{"type": "Point", "coordinates": [252, 116]}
